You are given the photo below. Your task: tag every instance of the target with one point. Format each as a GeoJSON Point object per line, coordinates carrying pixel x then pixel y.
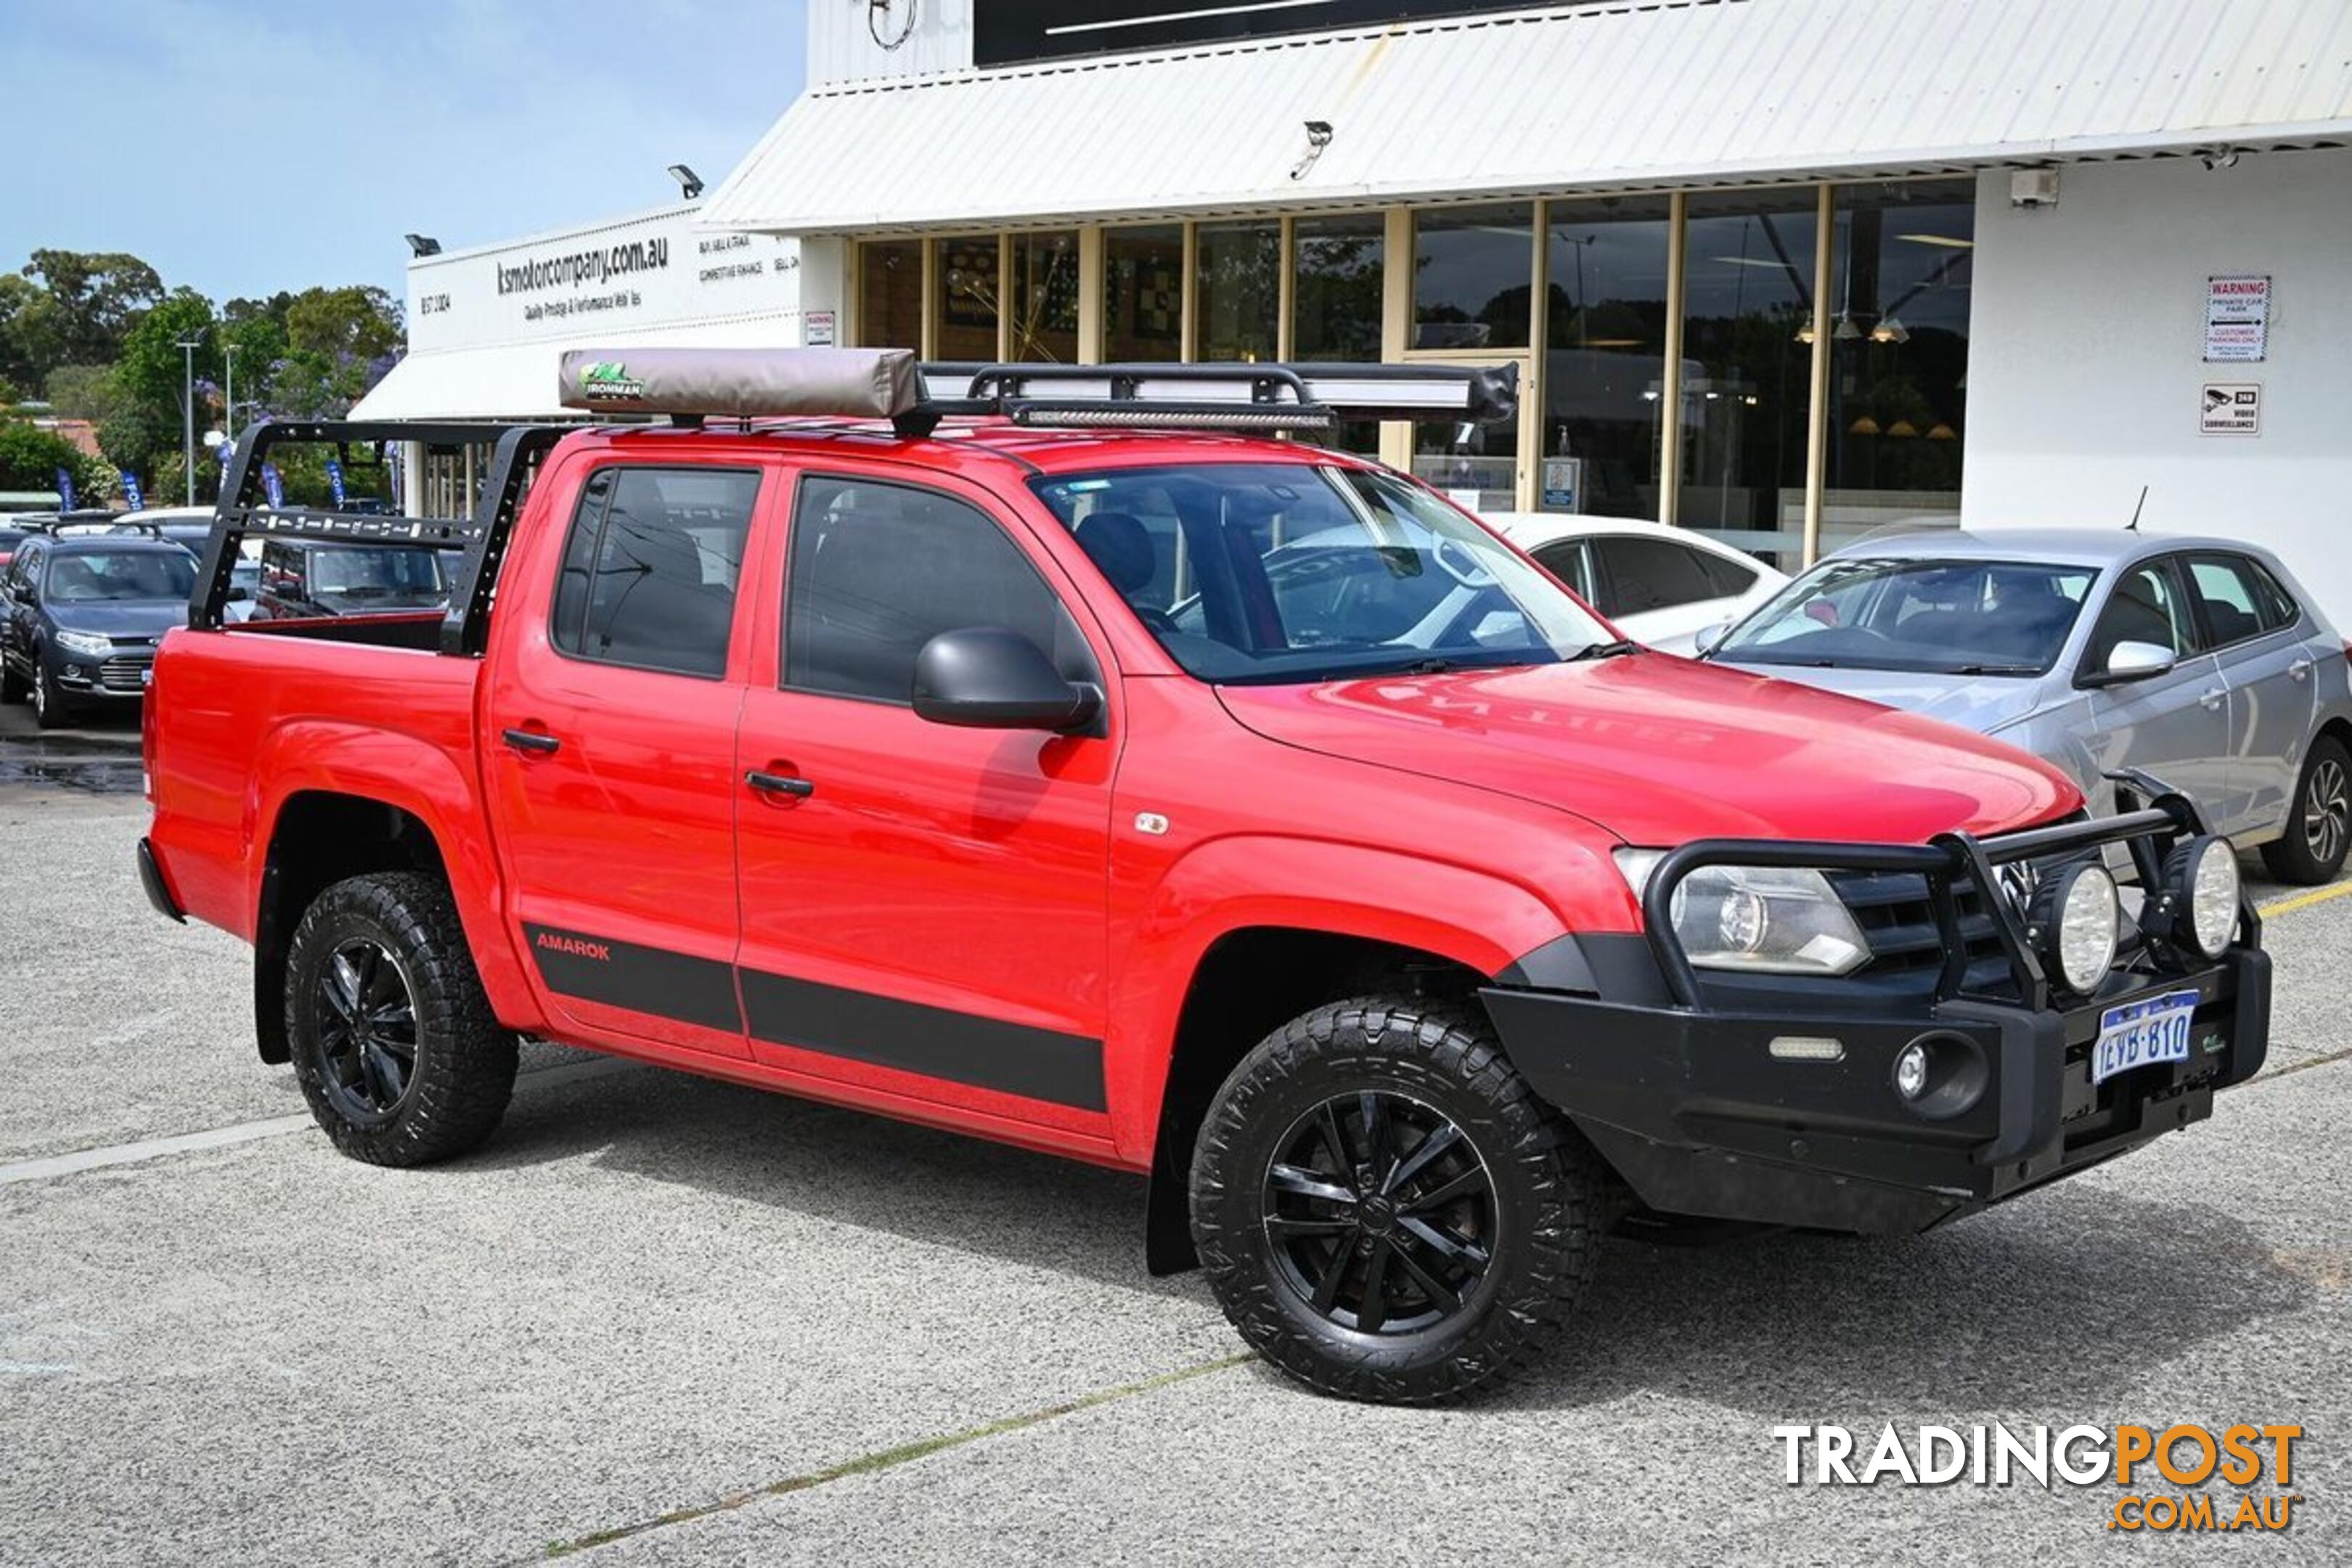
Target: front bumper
{"type": "Point", "coordinates": [1673, 1080]}
{"type": "Point", "coordinates": [119, 675]}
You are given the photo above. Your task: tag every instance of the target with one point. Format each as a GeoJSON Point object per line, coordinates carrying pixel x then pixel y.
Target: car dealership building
{"type": "Point", "coordinates": [1782, 270]}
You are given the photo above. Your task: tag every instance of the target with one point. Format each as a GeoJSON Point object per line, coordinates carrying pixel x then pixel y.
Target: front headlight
{"type": "Point", "coordinates": [1759, 919]}
{"type": "Point", "coordinates": [90, 645]}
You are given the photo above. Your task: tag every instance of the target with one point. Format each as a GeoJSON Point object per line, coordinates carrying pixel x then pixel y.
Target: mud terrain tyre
{"type": "Point", "coordinates": [1385, 1209]}
{"type": "Point", "coordinates": [393, 1042]}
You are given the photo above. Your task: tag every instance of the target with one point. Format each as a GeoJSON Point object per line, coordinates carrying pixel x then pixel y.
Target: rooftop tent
{"type": "Point", "coordinates": [878, 384]}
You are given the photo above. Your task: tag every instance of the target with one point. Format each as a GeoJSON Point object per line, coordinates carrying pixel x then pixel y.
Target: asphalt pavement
{"type": "Point", "coordinates": [661, 1319]}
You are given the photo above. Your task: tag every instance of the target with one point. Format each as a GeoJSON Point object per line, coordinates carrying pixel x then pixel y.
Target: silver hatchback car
{"type": "Point", "coordinates": [2198, 660]}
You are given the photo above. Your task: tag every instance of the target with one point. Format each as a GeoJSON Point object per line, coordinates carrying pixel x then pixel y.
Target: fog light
{"type": "Point", "coordinates": [1911, 1070]}
{"type": "Point", "coordinates": [2077, 924]}
{"type": "Point", "coordinates": [2202, 877]}
{"type": "Point", "coordinates": [1806, 1048]}
{"type": "Point", "coordinates": [71, 672]}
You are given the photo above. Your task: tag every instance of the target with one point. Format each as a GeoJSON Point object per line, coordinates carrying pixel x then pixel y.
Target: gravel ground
{"type": "Point", "coordinates": [668, 1320]}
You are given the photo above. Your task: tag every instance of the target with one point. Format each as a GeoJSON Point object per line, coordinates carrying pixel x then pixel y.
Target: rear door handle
{"type": "Point", "coordinates": [778, 783]}
{"type": "Point", "coordinates": [532, 741]}
{"type": "Point", "coordinates": [2300, 668]}
{"type": "Point", "coordinates": [2212, 698]}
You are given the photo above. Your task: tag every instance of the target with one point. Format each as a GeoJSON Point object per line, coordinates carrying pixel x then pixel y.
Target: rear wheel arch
{"type": "Point", "coordinates": [318, 838]}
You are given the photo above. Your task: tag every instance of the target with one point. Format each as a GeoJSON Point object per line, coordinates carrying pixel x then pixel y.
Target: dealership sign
{"type": "Point", "coordinates": [655, 271]}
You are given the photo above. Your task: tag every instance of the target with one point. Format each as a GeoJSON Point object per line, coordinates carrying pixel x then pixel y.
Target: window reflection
{"type": "Point", "coordinates": [1338, 289]}
{"type": "Point", "coordinates": [1604, 364]}
{"type": "Point", "coordinates": [1901, 261]}
{"type": "Point", "coordinates": [1471, 276]}
{"type": "Point", "coordinates": [1238, 275]}
{"type": "Point", "coordinates": [1747, 367]}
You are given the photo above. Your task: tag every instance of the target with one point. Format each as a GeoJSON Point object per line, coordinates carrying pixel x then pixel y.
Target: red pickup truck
{"type": "Point", "coordinates": [1191, 802]}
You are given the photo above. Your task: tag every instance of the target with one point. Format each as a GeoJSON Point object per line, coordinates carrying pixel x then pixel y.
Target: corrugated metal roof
{"type": "Point", "coordinates": [1596, 96]}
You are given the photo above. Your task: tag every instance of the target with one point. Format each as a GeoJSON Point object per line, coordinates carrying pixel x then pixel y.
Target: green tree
{"type": "Point", "coordinates": [151, 376]}
{"type": "Point", "coordinates": [84, 392]}
{"type": "Point", "coordinates": [22, 301]}
{"type": "Point", "coordinates": [30, 458]}
{"type": "Point", "coordinates": [94, 298]}
{"type": "Point", "coordinates": [339, 342]}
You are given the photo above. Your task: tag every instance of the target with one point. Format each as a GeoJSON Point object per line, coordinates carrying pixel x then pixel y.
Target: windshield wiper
{"type": "Point", "coordinates": [1994, 669]}
{"type": "Point", "coordinates": [1605, 651]}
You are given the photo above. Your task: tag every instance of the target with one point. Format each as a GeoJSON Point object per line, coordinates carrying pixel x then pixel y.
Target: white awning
{"type": "Point", "coordinates": [1596, 96]}
{"type": "Point", "coordinates": [518, 381]}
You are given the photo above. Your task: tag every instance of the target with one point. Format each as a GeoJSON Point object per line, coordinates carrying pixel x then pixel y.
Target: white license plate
{"type": "Point", "coordinates": [2143, 1033]}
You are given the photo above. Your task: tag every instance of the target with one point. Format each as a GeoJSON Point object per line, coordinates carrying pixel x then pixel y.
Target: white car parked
{"type": "Point", "coordinates": [1663, 586]}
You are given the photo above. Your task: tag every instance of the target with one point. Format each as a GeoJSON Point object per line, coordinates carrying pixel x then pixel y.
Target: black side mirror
{"type": "Point", "coordinates": [985, 678]}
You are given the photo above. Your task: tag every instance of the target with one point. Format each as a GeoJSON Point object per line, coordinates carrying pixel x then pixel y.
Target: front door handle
{"type": "Point", "coordinates": [533, 742]}
{"type": "Point", "coordinates": [2212, 700]}
{"type": "Point", "coordinates": [778, 783]}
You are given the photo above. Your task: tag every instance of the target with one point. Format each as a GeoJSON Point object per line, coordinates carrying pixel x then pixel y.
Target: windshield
{"type": "Point", "coordinates": [88, 578]}
{"type": "Point", "coordinates": [356, 572]}
{"type": "Point", "coordinates": [1286, 572]}
{"type": "Point", "coordinates": [1939, 617]}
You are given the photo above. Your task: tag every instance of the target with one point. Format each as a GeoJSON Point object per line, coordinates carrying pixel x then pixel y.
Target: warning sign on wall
{"type": "Point", "coordinates": [2231, 408]}
{"type": "Point", "coordinates": [2237, 320]}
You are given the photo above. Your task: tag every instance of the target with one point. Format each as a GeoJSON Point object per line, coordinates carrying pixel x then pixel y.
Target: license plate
{"type": "Point", "coordinates": [2143, 1033]}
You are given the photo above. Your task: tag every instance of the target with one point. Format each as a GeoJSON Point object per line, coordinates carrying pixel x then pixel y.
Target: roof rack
{"type": "Point", "coordinates": [887, 384]}
{"type": "Point", "coordinates": [517, 451]}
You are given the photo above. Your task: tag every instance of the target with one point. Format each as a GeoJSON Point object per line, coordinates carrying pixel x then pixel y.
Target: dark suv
{"type": "Point", "coordinates": [306, 579]}
{"type": "Point", "coordinates": [81, 616]}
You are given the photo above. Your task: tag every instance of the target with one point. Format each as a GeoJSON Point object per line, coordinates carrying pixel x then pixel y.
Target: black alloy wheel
{"type": "Point", "coordinates": [392, 1040]}
{"type": "Point", "coordinates": [365, 1019]}
{"type": "Point", "coordinates": [1379, 1212]}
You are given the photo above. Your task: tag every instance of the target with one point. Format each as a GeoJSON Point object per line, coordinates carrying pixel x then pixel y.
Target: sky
{"type": "Point", "coordinates": [243, 149]}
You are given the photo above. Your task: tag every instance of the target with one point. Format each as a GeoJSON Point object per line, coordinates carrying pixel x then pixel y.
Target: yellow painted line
{"type": "Point", "coordinates": [2303, 900]}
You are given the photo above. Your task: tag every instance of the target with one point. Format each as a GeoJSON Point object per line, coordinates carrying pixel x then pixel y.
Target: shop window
{"type": "Point", "coordinates": [1476, 466]}
{"type": "Point", "coordinates": [1900, 270]}
{"type": "Point", "coordinates": [1605, 356]}
{"type": "Point", "coordinates": [1472, 276]}
{"type": "Point", "coordinates": [1238, 275]}
{"type": "Point", "coordinates": [1336, 288]}
{"type": "Point", "coordinates": [1143, 294]}
{"type": "Point", "coordinates": [890, 294]}
{"type": "Point", "coordinates": [1748, 305]}
{"type": "Point", "coordinates": [1046, 297]}
{"type": "Point", "coordinates": [969, 297]}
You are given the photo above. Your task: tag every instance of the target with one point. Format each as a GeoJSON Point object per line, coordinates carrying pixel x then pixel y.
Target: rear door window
{"type": "Point", "coordinates": [2235, 598]}
{"type": "Point", "coordinates": [1651, 575]}
{"type": "Point", "coordinates": [651, 567]}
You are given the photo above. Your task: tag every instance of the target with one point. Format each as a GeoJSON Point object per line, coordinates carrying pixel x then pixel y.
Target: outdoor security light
{"type": "Point", "coordinates": [422, 245]}
{"type": "Point", "coordinates": [688, 181]}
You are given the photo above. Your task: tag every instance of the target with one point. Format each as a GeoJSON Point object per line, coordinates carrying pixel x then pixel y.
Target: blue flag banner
{"type": "Point", "coordinates": [273, 485]}
{"type": "Point", "coordinates": [65, 488]}
{"type": "Point", "coordinates": [131, 491]}
{"type": "Point", "coordinates": [225, 451]}
{"type": "Point", "coordinates": [335, 479]}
